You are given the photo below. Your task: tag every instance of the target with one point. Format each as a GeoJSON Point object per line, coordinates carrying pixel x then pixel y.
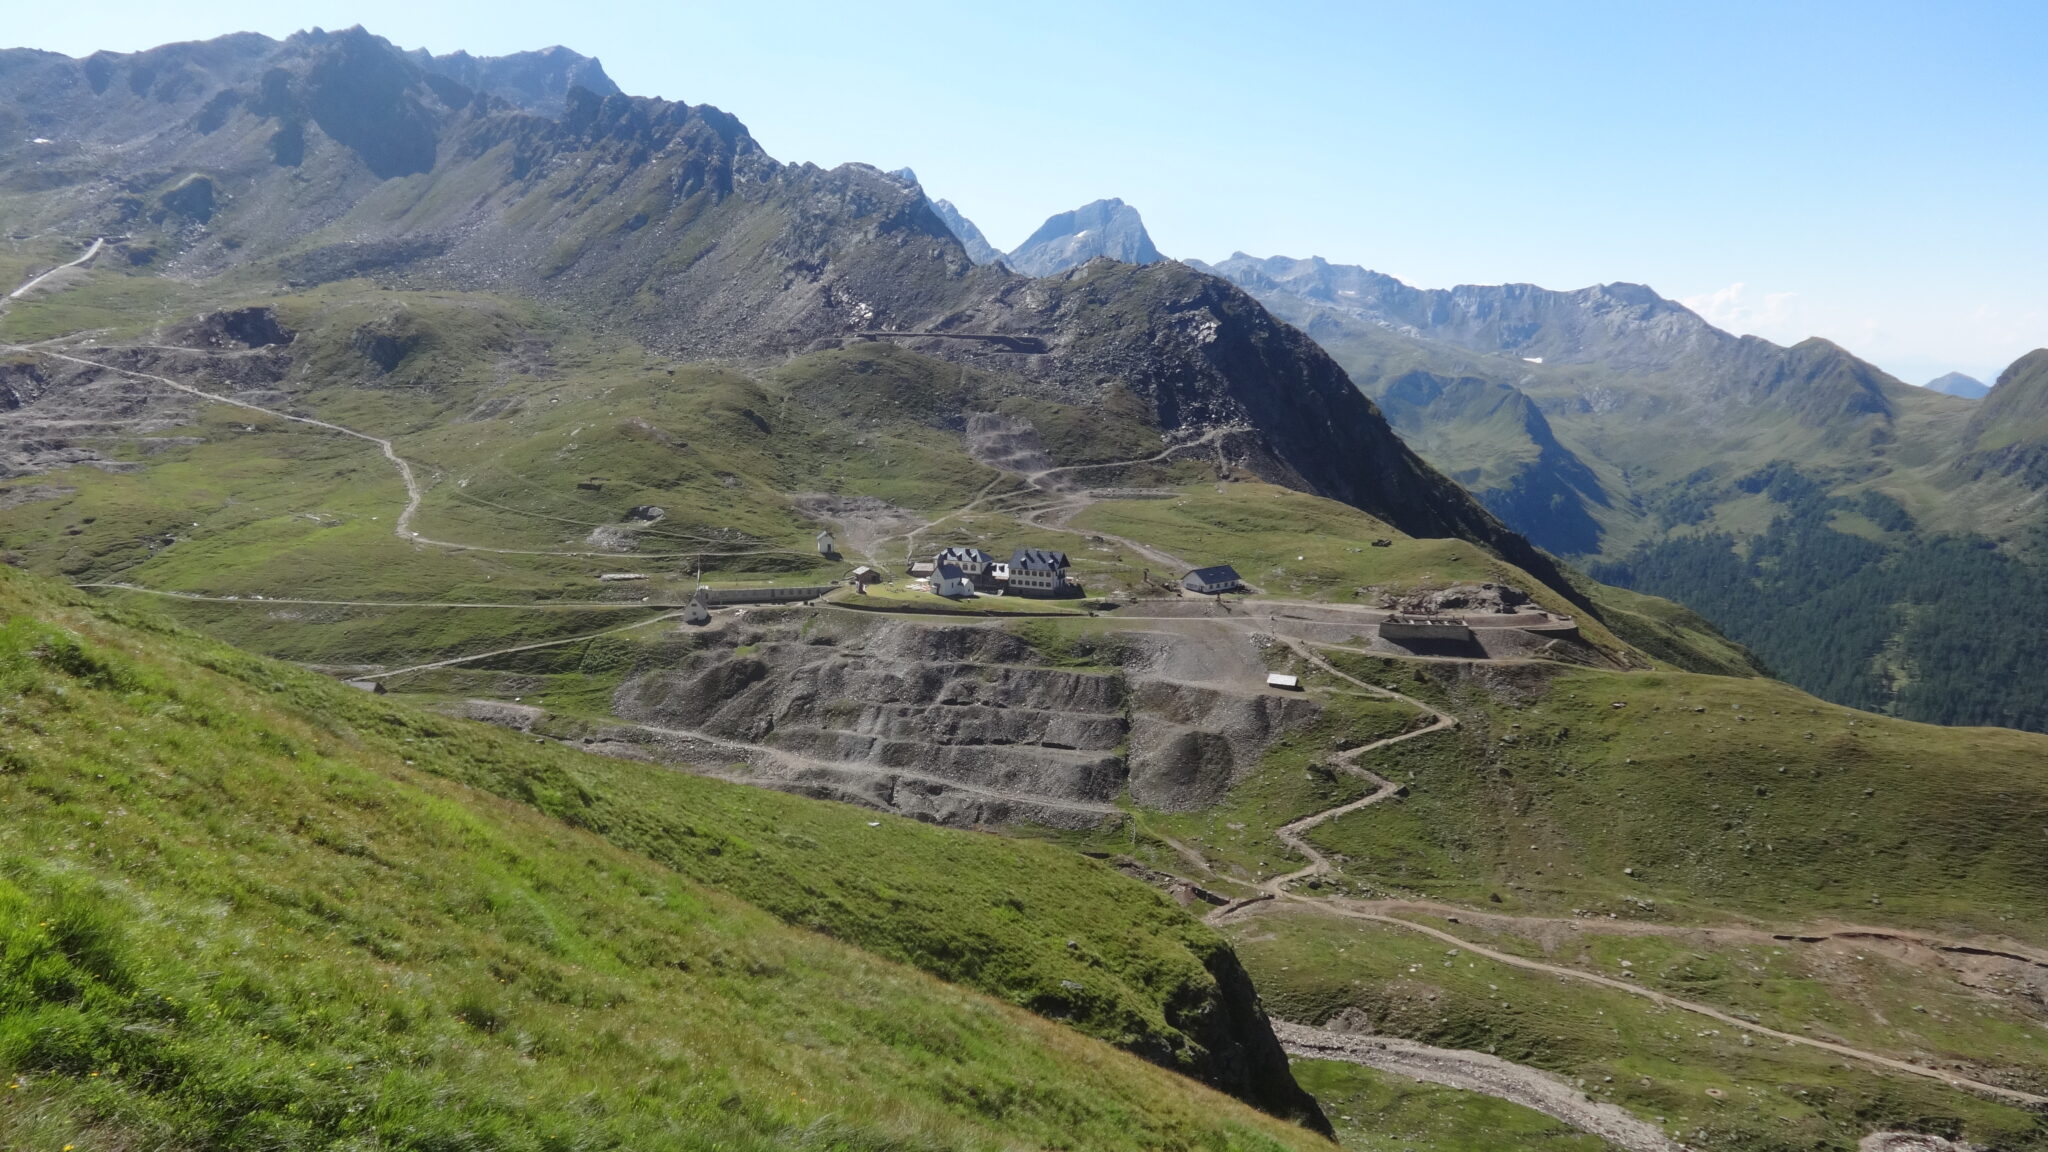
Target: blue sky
{"type": "Point", "coordinates": [1872, 172]}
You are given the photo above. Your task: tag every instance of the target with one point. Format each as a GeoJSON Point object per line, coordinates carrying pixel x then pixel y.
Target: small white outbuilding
{"type": "Point", "coordinates": [949, 580]}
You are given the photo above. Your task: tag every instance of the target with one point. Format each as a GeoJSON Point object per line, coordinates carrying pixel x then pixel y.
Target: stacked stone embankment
{"type": "Point", "coordinates": [962, 723]}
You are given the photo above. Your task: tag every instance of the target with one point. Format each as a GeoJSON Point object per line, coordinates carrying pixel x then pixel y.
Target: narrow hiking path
{"type": "Point", "coordinates": [1337, 906]}
{"type": "Point", "coordinates": [1210, 437]}
{"type": "Point", "coordinates": [1058, 518]}
{"type": "Point", "coordinates": [543, 606]}
{"type": "Point", "coordinates": [415, 493]}
{"type": "Point", "coordinates": [98, 243]}
{"type": "Point", "coordinates": [909, 537]}
{"type": "Point", "coordinates": [1276, 890]}
{"type": "Point", "coordinates": [1463, 1068]}
{"type": "Point", "coordinates": [454, 660]}
{"type": "Point", "coordinates": [1291, 834]}
{"type": "Point", "coordinates": [1061, 510]}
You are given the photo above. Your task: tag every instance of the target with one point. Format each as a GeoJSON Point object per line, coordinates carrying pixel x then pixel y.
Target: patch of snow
{"type": "Point", "coordinates": [1533, 359]}
{"type": "Point", "coordinates": [42, 140]}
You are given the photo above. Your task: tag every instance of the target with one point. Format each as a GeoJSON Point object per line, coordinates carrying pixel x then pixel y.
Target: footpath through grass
{"type": "Point", "coordinates": [1674, 796]}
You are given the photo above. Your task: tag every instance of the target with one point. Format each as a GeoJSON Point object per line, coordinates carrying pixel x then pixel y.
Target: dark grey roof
{"type": "Point", "coordinates": [947, 571]}
{"type": "Point", "coordinates": [961, 553]}
{"type": "Point", "coordinates": [1217, 574]}
{"type": "Point", "coordinates": [1038, 560]}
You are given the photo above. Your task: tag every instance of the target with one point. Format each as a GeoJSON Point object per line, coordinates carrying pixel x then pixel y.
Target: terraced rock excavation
{"type": "Point", "coordinates": [969, 708]}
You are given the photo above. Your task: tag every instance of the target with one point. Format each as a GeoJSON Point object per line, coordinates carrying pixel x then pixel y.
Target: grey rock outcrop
{"type": "Point", "coordinates": [537, 81]}
{"type": "Point", "coordinates": [1108, 228]}
{"type": "Point", "coordinates": [978, 248]}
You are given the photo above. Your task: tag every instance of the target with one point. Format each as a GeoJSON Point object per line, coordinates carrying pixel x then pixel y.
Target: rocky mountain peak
{"type": "Point", "coordinates": [537, 81]}
{"type": "Point", "coordinates": [978, 248]}
{"type": "Point", "coordinates": [1109, 228]}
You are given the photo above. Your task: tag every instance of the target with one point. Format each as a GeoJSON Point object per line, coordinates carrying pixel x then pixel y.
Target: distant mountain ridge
{"type": "Point", "coordinates": [538, 81]}
{"type": "Point", "coordinates": [666, 220]}
{"type": "Point", "coordinates": [1957, 384]}
{"type": "Point", "coordinates": [1745, 479]}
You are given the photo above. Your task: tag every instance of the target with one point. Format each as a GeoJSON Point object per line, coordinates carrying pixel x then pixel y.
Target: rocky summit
{"type": "Point", "coordinates": [977, 246]}
{"type": "Point", "coordinates": [1104, 228]}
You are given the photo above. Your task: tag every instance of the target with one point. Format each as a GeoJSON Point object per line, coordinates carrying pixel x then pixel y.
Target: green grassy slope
{"type": "Point", "coordinates": [1720, 794]}
{"type": "Point", "coordinates": [532, 436]}
{"type": "Point", "coordinates": [247, 906]}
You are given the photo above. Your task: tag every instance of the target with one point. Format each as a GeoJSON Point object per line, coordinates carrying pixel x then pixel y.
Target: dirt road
{"type": "Point", "coordinates": [1276, 892]}
{"type": "Point", "coordinates": [91, 252]}
{"type": "Point", "coordinates": [1552, 1095]}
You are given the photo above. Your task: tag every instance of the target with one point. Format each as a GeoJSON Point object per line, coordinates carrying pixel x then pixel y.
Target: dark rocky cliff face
{"type": "Point", "coordinates": [1205, 355]}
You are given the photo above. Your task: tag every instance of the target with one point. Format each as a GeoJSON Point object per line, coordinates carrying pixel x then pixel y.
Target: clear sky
{"type": "Point", "coordinates": [1868, 171]}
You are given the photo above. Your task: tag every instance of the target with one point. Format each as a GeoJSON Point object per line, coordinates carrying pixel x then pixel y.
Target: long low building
{"type": "Point", "coordinates": [787, 594]}
{"type": "Point", "coordinates": [1408, 629]}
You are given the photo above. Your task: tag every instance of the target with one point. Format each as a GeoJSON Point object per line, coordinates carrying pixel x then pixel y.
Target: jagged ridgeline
{"type": "Point", "coordinates": [1859, 533]}
{"type": "Point", "coordinates": [327, 165]}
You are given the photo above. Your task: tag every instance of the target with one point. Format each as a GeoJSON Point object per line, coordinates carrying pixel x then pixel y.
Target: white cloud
{"type": "Point", "coordinates": [1917, 336]}
{"type": "Point", "coordinates": [1779, 316]}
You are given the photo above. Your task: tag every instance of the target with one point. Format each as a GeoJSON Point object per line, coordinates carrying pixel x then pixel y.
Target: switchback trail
{"type": "Point", "coordinates": [1276, 890]}
{"type": "Point", "coordinates": [655, 619]}
{"type": "Point", "coordinates": [1209, 437]}
{"type": "Point", "coordinates": [414, 493]}
{"type": "Point", "coordinates": [1291, 833]}
{"type": "Point", "coordinates": [547, 606]}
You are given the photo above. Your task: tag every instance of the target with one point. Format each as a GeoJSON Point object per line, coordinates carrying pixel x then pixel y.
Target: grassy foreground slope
{"type": "Point", "coordinates": [246, 907]}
